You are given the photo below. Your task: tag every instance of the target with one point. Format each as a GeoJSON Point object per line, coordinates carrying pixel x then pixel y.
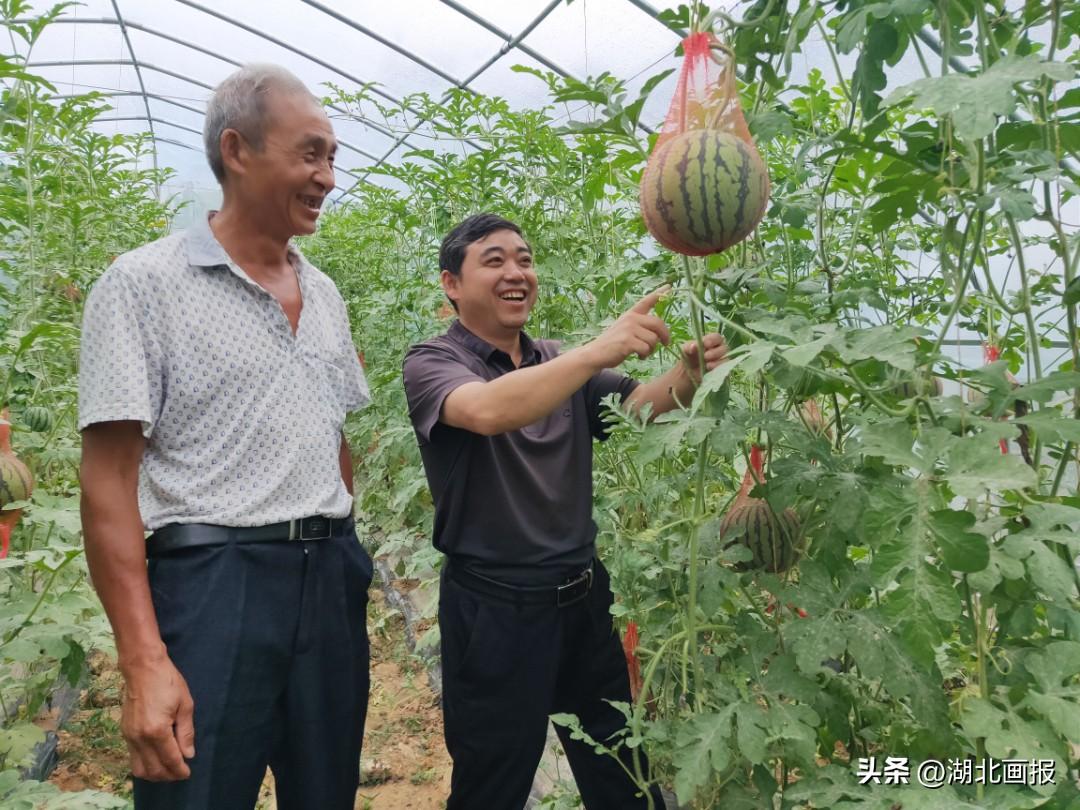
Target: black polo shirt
{"type": "Point", "coordinates": [516, 506]}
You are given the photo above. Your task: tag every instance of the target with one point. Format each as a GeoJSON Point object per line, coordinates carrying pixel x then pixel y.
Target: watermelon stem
{"type": "Point", "coordinates": [696, 322]}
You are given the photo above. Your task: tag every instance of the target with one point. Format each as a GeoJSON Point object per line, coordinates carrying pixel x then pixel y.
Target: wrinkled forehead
{"type": "Point", "coordinates": [298, 117]}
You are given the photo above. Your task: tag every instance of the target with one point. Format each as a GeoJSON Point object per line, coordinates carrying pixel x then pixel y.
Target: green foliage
{"type": "Point", "coordinates": [935, 611]}
{"type": "Point", "coordinates": [70, 201]}
{"type": "Point", "coordinates": [939, 581]}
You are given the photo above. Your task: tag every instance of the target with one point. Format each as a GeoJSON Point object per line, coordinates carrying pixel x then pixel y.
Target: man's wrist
{"type": "Point", "coordinates": [685, 377]}
{"type": "Point", "coordinates": [586, 355]}
{"type": "Point", "coordinates": [146, 655]}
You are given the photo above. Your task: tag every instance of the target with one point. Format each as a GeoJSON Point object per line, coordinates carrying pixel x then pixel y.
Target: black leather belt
{"type": "Point", "coordinates": [573, 590]}
{"type": "Point", "coordinates": [176, 536]}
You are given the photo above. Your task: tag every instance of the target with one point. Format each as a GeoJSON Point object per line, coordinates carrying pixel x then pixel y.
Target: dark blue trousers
{"type": "Point", "coordinates": [272, 640]}
{"type": "Point", "coordinates": [506, 668]}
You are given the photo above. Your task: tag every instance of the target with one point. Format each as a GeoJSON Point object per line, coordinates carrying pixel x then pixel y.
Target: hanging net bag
{"type": "Point", "coordinates": [705, 187]}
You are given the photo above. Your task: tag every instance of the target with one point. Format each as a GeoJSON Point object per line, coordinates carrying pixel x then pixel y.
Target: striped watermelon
{"type": "Point", "coordinates": [703, 191]}
{"type": "Point", "coordinates": [16, 483]}
{"type": "Point", "coordinates": [922, 384]}
{"type": "Point", "coordinates": [775, 540]}
{"type": "Point", "coordinates": [38, 418]}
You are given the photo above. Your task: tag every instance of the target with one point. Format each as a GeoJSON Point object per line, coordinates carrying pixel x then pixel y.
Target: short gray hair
{"type": "Point", "coordinates": [239, 103]}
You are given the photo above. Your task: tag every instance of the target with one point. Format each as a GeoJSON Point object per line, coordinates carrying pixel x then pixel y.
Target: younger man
{"type": "Point", "coordinates": [505, 425]}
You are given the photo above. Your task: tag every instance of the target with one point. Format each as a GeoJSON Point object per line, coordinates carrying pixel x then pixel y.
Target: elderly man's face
{"type": "Point", "coordinates": [289, 179]}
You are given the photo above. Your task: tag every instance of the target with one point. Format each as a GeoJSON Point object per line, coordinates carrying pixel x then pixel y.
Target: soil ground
{"type": "Point", "coordinates": [405, 765]}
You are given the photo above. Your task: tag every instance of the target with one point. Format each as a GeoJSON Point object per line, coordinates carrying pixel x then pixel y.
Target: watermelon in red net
{"type": "Point", "coordinates": [705, 187]}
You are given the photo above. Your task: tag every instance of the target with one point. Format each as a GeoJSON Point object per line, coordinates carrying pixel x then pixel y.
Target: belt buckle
{"type": "Point", "coordinates": [582, 586]}
{"type": "Point", "coordinates": [317, 527]}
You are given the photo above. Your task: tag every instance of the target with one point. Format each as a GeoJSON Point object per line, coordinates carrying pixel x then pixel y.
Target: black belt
{"type": "Point", "coordinates": [573, 590]}
{"type": "Point", "coordinates": [176, 536]}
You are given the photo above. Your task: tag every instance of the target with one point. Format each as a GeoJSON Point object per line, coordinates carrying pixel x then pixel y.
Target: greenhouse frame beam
{"type": "Point", "coordinates": [121, 93]}
{"type": "Point", "coordinates": [1053, 344]}
{"type": "Point", "coordinates": [120, 63]}
{"type": "Point", "coordinates": [512, 42]}
{"type": "Point", "coordinates": [182, 77]}
{"type": "Point", "coordinates": [229, 60]}
{"type": "Point", "coordinates": [142, 85]}
{"type": "Point", "coordinates": [412, 57]}
{"type": "Point", "coordinates": [517, 43]}
{"type": "Point", "coordinates": [146, 29]}
{"type": "Point", "coordinates": [152, 119]}
{"type": "Point", "coordinates": [320, 62]}
{"type": "Point", "coordinates": [551, 6]}
{"type": "Point", "coordinates": [655, 14]}
{"type": "Point", "coordinates": [172, 142]}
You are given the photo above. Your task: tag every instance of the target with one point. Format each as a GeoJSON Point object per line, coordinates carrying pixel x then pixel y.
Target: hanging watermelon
{"type": "Point", "coordinates": [773, 539]}
{"type": "Point", "coordinates": [16, 484]}
{"type": "Point", "coordinates": [705, 186]}
{"type": "Point", "coordinates": [38, 418]}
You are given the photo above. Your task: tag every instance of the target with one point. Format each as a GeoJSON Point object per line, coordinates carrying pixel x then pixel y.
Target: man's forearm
{"type": "Point", "coordinates": [521, 397]}
{"type": "Point", "coordinates": [116, 556]}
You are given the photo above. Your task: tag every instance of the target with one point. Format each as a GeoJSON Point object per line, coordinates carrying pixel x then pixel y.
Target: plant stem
{"type": "Point", "coordinates": [37, 605]}
{"type": "Point", "coordinates": [978, 631]}
{"type": "Point", "coordinates": [699, 505]}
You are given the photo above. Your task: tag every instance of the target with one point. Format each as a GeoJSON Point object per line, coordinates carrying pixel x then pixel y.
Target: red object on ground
{"type": "Point", "coordinates": [633, 666]}
{"type": "Point", "coordinates": [5, 539]}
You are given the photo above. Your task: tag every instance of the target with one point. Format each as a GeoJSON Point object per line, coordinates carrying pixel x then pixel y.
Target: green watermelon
{"type": "Point", "coordinates": [922, 384]}
{"type": "Point", "coordinates": [703, 191]}
{"type": "Point", "coordinates": [774, 540]}
{"type": "Point", "coordinates": [38, 418]}
{"type": "Point", "coordinates": [16, 483]}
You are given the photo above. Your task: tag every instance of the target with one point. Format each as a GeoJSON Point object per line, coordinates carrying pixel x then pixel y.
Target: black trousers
{"type": "Point", "coordinates": [506, 667]}
{"type": "Point", "coordinates": [272, 640]}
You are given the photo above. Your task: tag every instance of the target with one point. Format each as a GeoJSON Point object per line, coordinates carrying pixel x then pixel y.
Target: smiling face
{"type": "Point", "coordinates": [287, 181]}
{"type": "Point", "coordinates": [496, 287]}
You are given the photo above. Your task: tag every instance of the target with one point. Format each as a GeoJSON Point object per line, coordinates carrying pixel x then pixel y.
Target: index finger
{"type": "Point", "coordinates": [649, 301]}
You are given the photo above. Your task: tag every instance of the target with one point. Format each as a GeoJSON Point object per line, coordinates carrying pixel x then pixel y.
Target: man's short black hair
{"type": "Point", "coordinates": [476, 227]}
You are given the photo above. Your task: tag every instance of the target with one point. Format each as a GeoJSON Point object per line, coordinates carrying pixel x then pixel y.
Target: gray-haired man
{"type": "Point", "coordinates": [217, 368]}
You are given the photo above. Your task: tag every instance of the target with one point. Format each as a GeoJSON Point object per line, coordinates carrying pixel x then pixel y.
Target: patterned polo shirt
{"type": "Point", "coordinates": [242, 417]}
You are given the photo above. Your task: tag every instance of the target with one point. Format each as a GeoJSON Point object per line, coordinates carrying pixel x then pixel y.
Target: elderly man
{"type": "Point", "coordinates": [217, 369]}
{"type": "Point", "coordinates": [505, 425]}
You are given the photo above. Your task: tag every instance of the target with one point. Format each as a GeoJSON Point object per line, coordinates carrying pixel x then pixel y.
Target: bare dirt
{"type": "Point", "coordinates": [404, 766]}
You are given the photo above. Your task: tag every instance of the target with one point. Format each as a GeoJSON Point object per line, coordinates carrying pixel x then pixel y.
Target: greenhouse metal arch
{"type": "Point", "coordinates": [844, 565]}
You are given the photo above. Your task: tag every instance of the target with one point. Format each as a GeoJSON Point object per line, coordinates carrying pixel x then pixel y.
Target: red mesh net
{"type": "Point", "coordinates": [706, 96]}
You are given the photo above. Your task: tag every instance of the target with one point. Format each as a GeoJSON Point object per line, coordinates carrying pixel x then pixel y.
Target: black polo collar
{"type": "Point", "coordinates": [530, 352]}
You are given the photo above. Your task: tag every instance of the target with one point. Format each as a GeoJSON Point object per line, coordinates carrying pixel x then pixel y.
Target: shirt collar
{"type": "Point", "coordinates": [204, 250]}
{"type": "Point", "coordinates": [530, 352]}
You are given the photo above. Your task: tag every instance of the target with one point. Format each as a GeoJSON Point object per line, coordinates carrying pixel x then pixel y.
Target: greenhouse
{"type": "Point", "coordinates": [696, 386]}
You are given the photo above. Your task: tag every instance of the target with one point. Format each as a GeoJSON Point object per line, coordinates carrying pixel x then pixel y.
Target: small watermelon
{"type": "Point", "coordinates": [703, 191]}
{"type": "Point", "coordinates": [16, 483]}
{"type": "Point", "coordinates": [774, 540]}
{"type": "Point", "coordinates": [923, 384]}
{"type": "Point", "coordinates": [38, 418]}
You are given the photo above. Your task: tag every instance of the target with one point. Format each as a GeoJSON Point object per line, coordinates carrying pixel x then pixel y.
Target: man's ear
{"type": "Point", "coordinates": [235, 152]}
{"type": "Point", "coordinates": [450, 284]}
